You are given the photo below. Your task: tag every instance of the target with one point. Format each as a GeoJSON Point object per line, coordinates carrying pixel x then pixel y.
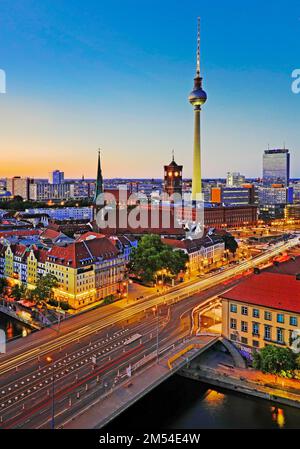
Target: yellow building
{"type": "Point", "coordinates": [263, 309]}
{"type": "Point", "coordinates": [201, 252]}
{"type": "Point", "coordinates": [86, 271]}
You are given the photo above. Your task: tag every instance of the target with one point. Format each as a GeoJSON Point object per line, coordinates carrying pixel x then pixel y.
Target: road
{"type": "Point", "coordinates": [26, 380]}
{"type": "Point", "coordinates": [26, 394]}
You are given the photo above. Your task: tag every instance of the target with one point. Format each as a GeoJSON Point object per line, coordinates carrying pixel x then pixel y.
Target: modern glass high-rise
{"type": "Point", "coordinates": [57, 177]}
{"type": "Point", "coordinates": [276, 167]}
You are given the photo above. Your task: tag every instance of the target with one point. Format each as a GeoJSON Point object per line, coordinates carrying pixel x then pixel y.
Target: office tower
{"type": "Point", "coordinates": [18, 186]}
{"type": "Point", "coordinates": [197, 98]}
{"type": "Point", "coordinates": [57, 177]}
{"type": "Point", "coordinates": [276, 167]}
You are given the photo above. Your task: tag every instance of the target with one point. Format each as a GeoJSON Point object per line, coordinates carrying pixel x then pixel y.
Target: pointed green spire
{"type": "Point", "coordinates": [99, 181]}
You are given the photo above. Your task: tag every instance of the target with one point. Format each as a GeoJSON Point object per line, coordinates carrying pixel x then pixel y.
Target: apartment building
{"type": "Point", "coordinates": [87, 271]}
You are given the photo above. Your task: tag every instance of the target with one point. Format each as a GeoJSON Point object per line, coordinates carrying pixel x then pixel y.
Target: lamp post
{"type": "Point", "coordinates": [50, 360]}
{"type": "Point", "coordinates": [157, 330]}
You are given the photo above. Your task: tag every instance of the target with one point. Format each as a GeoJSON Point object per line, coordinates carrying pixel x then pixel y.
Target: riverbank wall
{"type": "Point", "coordinates": [241, 384]}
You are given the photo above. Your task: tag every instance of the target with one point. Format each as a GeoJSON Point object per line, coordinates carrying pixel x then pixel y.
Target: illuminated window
{"type": "Point", "coordinates": [279, 335]}
{"type": "Point", "coordinates": [233, 308]}
{"type": "Point", "coordinates": [267, 333]}
{"type": "Point", "coordinates": [170, 174]}
{"type": "Point", "coordinates": [255, 329]}
{"type": "Point", "coordinates": [280, 318]}
{"type": "Point", "coordinates": [233, 323]}
{"type": "Point", "coordinates": [268, 316]}
{"type": "Point", "coordinates": [244, 326]}
{"type": "Point", "coordinates": [244, 310]}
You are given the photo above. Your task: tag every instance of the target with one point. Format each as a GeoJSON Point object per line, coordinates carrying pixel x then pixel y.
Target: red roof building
{"type": "Point", "coordinates": [278, 291]}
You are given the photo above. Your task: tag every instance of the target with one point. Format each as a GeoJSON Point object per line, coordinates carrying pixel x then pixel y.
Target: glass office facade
{"type": "Point", "coordinates": [276, 167]}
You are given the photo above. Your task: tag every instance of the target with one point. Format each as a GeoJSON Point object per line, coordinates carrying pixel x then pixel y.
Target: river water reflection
{"type": "Point", "coordinates": [181, 403]}
{"type": "Point", "coordinates": [12, 327]}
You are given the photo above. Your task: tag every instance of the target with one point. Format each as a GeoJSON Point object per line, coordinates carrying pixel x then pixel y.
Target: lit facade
{"type": "Point", "coordinates": [18, 186]}
{"type": "Point", "coordinates": [261, 311]}
{"type": "Point", "coordinates": [86, 271]}
{"type": "Point", "coordinates": [201, 252]}
{"type": "Point", "coordinates": [235, 179]}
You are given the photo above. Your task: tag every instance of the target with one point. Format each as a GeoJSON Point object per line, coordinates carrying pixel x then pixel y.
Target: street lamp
{"type": "Point", "coordinates": [155, 309]}
{"type": "Point", "coordinates": [50, 360]}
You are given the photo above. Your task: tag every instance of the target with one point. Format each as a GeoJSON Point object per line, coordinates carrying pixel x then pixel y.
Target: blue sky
{"type": "Point", "coordinates": [117, 74]}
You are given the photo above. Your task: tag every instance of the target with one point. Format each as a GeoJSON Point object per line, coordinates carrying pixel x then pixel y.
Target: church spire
{"type": "Point", "coordinates": [99, 180]}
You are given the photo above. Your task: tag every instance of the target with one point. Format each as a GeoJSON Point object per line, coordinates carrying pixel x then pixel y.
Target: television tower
{"type": "Point", "coordinates": [197, 98]}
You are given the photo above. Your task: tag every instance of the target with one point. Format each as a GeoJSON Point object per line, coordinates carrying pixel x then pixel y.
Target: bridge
{"type": "Point", "coordinates": [131, 389]}
{"type": "Point", "coordinates": [107, 353]}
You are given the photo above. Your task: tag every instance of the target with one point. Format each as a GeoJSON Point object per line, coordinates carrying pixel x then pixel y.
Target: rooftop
{"type": "Point", "coordinates": [277, 291]}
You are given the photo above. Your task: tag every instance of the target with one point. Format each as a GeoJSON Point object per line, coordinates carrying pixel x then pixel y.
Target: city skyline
{"type": "Point", "coordinates": [63, 106]}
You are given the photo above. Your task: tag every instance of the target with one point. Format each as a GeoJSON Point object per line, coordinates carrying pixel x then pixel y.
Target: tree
{"type": "Point", "coordinates": [3, 285]}
{"type": "Point", "coordinates": [18, 292]}
{"type": "Point", "coordinates": [44, 288]}
{"type": "Point", "coordinates": [230, 242]}
{"type": "Point", "coordinates": [273, 359]}
{"type": "Point", "coordinates": [297, 361]}
{"type": "Point", "coordinates": [152, 256]}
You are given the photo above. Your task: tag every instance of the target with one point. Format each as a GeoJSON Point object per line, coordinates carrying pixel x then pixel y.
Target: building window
{"type": "Point", "coordinates": [244, 310]}
{"type": "Point", "coordinates": [233, 308]}
{"type": "Point", "coordinates": [293, 321]}
{"type": "Point", "coordinates": [255, 313]}
{"type": "Point", "coordinates": [233, 337]}
{"type": "Point", "coordinates": [280, 318]}
{"type": "Point", "coordinates": [244, 326]}
{"type": "Point", "coordinates": [268, 316]}
{"type": "Point", "coordinates": [267, 332]}
{"type": "Point", "coordinates": [280, 335]}
{"type": "Point", "coordinates": [255, 328]}
{"type": "Point", "coordinates": [255, 344]}
{"type": "Point", "coordinates": [233, 323]}
{"type": "Point", "coordinates": [244, 340]}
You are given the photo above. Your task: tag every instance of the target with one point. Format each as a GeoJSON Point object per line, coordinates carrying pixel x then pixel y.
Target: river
{"type": "Point", "coordinates": [13, 328]}
{"type": "Point", "coordinates": [181, 403]}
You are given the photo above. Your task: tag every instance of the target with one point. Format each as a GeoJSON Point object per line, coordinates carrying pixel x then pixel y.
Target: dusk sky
{"type": "Point", "coordinates": [117, 74]}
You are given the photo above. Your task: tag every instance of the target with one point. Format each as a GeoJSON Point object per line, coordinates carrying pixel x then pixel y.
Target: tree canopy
{"type": "Point", "coordinates": [3, 285]}
{"type": "Point", "coordinates": [230, 242]}
{"type": "Point", "coordinates": [44, 288]}
{"type": "Point", "coordinates": [273, 359]}
{"type": "Point", "coordinates": [18, 292]}
{"type": "Point", "coordinates": [152, 256]}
